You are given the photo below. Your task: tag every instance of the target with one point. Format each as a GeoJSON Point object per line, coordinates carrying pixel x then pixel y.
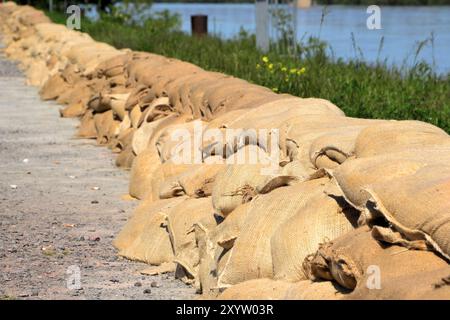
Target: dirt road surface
{"type": "Point", "coordinates": [60, 207]}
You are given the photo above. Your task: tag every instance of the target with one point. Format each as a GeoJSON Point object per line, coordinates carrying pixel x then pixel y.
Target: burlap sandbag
{"type": "Point", "coordinates": [189, 99]}
{"type": "Point", "coordinates": [356, 259]}
{"type": "Point", "coordinates": [135, 115]}
{"type": "Point", "coordinates": [80, 92]}
{"type": "Point", "coordinates": [356, 175]}
{"type": "Point", "coordinates": [315, 290]}
{"type": "Point", "coordinates": [195, 182]}
{"type": "Point", "coordinates": [139, 66]}
{"type": "Point", "coordinates": [118, 104]}
{"type": "Point", "coordinates": [71, 74]}
{"type": "Point", "coordinates": [226, 233]}
{"type": "Point", "coordinates": [239, 183]}
{"type": "Point", "coordinates": [245, 99]}
{"type": "Point", "coordinates": [137, 97]}
{"type": "Point", "coordinates": [173, 69]}
{"type": "Point", "coordinates": [73, 110]}
{"type": "Point", "coordinates": [37, 74]}
{"type": "Point", "coordinates": [394, 136]}
{"type": "Point", "coordinates": [268, 289]}
{"type": "Point", "coordinates": [53, 87]}
{"type": "Point", "coordinates": [147, 174]}
{"type": "Point", "coordinates": [180, 223]}
{"type": "Point", "coordinates": [106, 126]}
{"type": "Point", "coordinates": [324, 217]}
{"type": "Point", "coordinates": [151, 125]}
{"type": "Point", "coordinates": [223, 96]}
{"type": "Point", "coordinates": [294, 134]}
{"type": "Point", "coordinates": [181, 142]}
{"type": "Point", "coordinates": [333, 148]}
{"type": "Point", "coordinates": [164, 182]}
{"type": "Point", "coordinates": [198, 182]}
{"type": "Point", "coordinates": [251, 256]}
{"type": "Point", "coordinates": [276, 114]}
{"type": "Point", "coordinates": [418, 205]}
{"type": "Point", "coordinates": [123, 140]}
{"type": "Point", "coordinates": [427, 285]}
{"type": "Point", "coordinates": [113, 66]}
{"type": "Point", "coordinates": [144, 237]}
{"type": "Point", "coordinates": [87, 126]}
{"type": "Point", "coordinates": [164, 77]}
{"type": "Point", "coordinates": [302, 131]}
{"type": "Point", "coordinates": [125, 158]}
{"type": "Point", "coordinates": [209, 256]}
{"type": "Point", "coordinates": [256, 289]}
{"type": "Point", "coordinates": [144, 167]}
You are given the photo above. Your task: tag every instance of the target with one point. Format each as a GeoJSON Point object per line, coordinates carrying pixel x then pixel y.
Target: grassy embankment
{"type": "Point", "coordinates": [360, 89]}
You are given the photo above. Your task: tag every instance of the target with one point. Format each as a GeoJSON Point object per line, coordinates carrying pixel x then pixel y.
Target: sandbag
{"type": "Point", "coordinates": [323, 218]}
{"type": "Point", "coordinates": [226, 233]}
{"type": "Point", "coordinates": [149, 131]}
{"type": "Point", "coordinates": [239, 183]}
{"type": "Point", "coordinates": [353, 259]}
{"type": "Point", "coordinates": [332, 149]}
{"type": "Point", "coordinates": [180, 224]}
{"type": "Point", "coordinates": [268, 289]}
{"type": "Point", "coordinates": [53, 87]}
{"type": "Point", "coordinates": [275, 115]}
{"type": "Point", "coordinates": [73, 110]}
{"type": "Point", "coordinates": [209, 257]}
{"type": "Point", "coordinates": [179, 141]}
{"type": "Point", "coordinates": [113, 66]}
{"type": "Point", "coordinates": [251, 256]}
{"type": "Point", "coordinates": [195, 182]}
{"type": "Point", "coordinates": [394, 136]}
{"type": "Point", "coordinates": [125, 158]}
{"type": "Point", "coordinates": [357, 174]}
{"type": "Point", "coordinates": [144, 237]}
{"type": "Point", "coordinates": [418, 205]}
{"type": "Point", "coordinates": [144, 166]}
{"type": "Point", "coordinates": [256, 289]}
{"type": "Point", "coordinates": [87, 128]}
{"type": "Point", "coordinates": [428, 285]}
{"type": "Point", "coordinates": [315, 290]}
{"type": "Point", "coordinates": [106, 126]}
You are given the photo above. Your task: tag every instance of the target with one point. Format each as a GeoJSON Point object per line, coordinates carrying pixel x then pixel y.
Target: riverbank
{"type": "Point", "coordinates": [358, 88]}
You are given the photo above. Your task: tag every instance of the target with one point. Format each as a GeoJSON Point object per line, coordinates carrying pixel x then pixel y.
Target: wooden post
{"type": "Point", "coordinates": [262, 24]}
{"type": "Point", "coordinates": [50, 5]}
{"type": "Point", "coordinates": [199, 25]}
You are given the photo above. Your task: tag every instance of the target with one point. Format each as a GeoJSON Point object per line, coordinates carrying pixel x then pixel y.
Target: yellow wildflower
{"type": "Point", "coordinates": [293, 70]}
{"type": "Point", "coordinates": [258, 66]}
{"type": "Point", "coordinates": [270, 66]}
{"type": "Point", "coordinates": [284, 69]}
{"type": "Point", "coordinates": [275, 89]}
{"type": "Point", "coordinates": [265, 59]}
{"type": "Point", "coordinates": [301, 71]}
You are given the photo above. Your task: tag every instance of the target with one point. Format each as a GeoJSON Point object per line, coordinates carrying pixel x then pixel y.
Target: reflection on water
{"type": "Point", "coordinates": [402, 29]}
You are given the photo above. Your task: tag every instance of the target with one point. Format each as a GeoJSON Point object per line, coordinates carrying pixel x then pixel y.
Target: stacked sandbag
{"type": "Point", "coordinates": [376, 269]}
{"type": "Point", "coordinates": [246, 193]}
{"type": "Point", "coordinates": [268, 289]}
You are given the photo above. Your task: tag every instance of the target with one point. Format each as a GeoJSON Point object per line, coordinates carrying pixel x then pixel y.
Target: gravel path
{"type": "Point", "coordinates": [60, 207]}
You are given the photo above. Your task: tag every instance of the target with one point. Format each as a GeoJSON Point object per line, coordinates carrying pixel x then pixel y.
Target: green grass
{"type": "Point", "coordinates": [359, 89]}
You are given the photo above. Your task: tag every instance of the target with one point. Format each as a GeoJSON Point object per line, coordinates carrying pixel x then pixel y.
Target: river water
{"type": "Point", "coordinates": [401, 27]}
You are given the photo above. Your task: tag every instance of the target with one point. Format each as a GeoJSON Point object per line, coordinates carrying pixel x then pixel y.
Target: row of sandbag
{"type": "Point", "coordinates": [224, 225]}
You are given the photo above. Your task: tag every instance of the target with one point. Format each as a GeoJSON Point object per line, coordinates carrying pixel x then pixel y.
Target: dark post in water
{"type": "Point", "coordinates": [199, 25]}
